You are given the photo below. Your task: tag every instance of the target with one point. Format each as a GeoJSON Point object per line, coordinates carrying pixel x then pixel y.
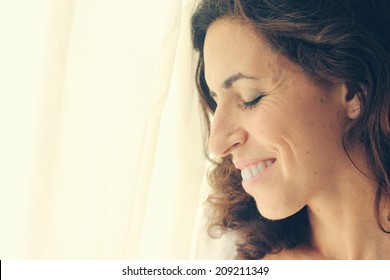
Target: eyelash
{"type": "Point", "coordinates": [252, 104]}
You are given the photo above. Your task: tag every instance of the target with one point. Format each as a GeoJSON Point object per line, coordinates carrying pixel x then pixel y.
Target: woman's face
{"type": "Point", "coordinates": [283, 130]}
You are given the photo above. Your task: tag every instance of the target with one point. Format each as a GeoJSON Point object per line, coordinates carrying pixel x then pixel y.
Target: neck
{"type": "Point", "coordinates": [343, 220]}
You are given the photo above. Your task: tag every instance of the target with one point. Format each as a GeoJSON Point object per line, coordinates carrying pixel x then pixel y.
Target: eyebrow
{"type": "Point", "coordinates": [228, 83]}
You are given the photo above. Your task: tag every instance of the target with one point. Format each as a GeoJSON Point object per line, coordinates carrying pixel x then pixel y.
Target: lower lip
{"type": "Point", "coordinates": [248, 184]}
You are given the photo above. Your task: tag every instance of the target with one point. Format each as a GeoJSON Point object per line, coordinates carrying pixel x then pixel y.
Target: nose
{"type": "Point", "coordinates": [226, 133]}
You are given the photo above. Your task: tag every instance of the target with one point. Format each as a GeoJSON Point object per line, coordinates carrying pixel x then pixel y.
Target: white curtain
{"type": "Point", "coordinates": [101, 152]}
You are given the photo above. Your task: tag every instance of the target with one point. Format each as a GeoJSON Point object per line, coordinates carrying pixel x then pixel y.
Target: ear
{"type": "Point", "coordinates": [351, 102]}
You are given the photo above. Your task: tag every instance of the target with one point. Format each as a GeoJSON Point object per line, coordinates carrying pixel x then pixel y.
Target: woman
{"type": "Point", "coordinates": [297, 94]}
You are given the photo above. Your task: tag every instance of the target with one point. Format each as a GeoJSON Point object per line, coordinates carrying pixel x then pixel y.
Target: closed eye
{"type": "Point", "coordinates": [252, 104]}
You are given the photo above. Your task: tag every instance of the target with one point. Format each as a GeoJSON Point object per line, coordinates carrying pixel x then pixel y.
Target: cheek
{"type": "Point", "coordinates": [299, 132]}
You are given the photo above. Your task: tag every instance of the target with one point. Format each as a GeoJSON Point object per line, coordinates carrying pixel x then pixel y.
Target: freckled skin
{"type": "Point", "coordinates": [299, 122]}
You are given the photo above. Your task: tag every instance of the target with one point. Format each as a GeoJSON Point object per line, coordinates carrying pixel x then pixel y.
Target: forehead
{"type": "Point", "coordinates": [232, 46]}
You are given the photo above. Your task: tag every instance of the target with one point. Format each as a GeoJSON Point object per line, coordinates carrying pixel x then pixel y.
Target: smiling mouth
{"type": "Point", "coordinates": [251, 171]}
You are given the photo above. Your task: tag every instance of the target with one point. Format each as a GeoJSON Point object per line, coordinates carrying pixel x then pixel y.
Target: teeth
{"type": "Point", "coordinates": [255, 170]}
{"type": "Point", "coordinates": [243, 175]}
{"type": "Point", "coordinates": [261, 166]}
{"type": "Point", "coordinates": [249, 172]}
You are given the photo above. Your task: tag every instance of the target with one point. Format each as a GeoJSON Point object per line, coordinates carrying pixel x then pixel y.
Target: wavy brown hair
{"type": "Point", "coordinates": [337, 41]}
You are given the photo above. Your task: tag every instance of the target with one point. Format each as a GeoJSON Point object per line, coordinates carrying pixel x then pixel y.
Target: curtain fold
{"type": "Point", "coordinates": [101, 153]}
{"type": "Point", "coordinates": [101, 149]}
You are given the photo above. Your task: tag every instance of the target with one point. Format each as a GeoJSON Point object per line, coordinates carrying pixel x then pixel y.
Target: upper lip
{"type": "Point", "coordinates": [241, 164]}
